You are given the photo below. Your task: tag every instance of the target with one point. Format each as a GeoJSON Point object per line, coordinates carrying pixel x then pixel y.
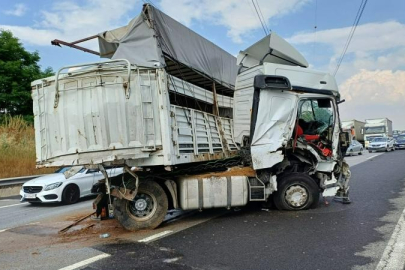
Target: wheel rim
{"type": "Point", "coordinates": [71, 195]}
{"type": "Point", "coordinates": [296, 196]}
{"type": "Point", "coordinates": [143, 207]}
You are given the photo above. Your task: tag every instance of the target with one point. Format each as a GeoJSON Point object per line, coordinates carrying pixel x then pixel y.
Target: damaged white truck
{"type": "Point", "coordinates": [193, 127]}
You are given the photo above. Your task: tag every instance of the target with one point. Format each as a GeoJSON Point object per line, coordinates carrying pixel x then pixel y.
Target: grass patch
{"type": "Point", "coordinates": [17, 148]}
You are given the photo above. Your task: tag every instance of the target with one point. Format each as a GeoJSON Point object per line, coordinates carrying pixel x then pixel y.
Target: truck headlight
{"type": "Point", "coordinates": [53, 186]}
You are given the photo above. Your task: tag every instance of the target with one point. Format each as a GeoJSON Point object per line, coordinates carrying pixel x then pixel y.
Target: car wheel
{"type": "Point", "coordinates": [370, 151]}
{"type": "Point", "coordinates": [146, 211]}
{"type": "Point", "coordinates": [297, 191]}
{"type": "Point", "coordinates": [71, 194]}
{"type": "Point", "coordinates": [361, 151]}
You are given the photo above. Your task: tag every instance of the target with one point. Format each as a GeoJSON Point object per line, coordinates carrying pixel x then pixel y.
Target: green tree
{"type": "Point", "coordinates": [18, 68]}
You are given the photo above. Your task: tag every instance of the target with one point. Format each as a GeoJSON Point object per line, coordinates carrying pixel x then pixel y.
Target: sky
{"type": "Point", "coordinates": [371, 77]}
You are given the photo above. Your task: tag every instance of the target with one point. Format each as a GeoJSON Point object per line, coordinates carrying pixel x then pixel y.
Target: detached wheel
{"type": "Point", "coordinates": [296, 191]}
{"type": "Point", "coordinates": [146, 211]}
{"type": "Point", "coordinates": [71, 194]}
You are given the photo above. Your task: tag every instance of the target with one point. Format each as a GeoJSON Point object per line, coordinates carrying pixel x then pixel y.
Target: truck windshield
{"type": "Point", "coordinates": [372, 130]}
{"type": "Point", "coordinates": [315, 115]}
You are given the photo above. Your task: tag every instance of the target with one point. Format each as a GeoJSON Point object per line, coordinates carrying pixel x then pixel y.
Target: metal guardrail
{"type": "Point", "coordinates": [16, 180]}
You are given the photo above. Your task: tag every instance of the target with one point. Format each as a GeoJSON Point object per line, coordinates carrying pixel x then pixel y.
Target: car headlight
{"type": "Point", "coordinates": [53, 186]}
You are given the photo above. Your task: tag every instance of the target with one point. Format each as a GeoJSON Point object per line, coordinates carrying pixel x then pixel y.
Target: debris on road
{"type": "Point", "coordinates": [104, 235]}
{"type": "Point", "coordinates": [75, 223]}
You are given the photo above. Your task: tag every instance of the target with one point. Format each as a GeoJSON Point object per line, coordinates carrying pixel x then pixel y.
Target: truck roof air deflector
{"type": "Point", "coordinates": [271, 49]}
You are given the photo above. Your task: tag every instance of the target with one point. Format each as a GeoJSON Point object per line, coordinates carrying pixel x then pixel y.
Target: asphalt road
{"type": "Point", "coordinates": [13, 213]}
{"type": "Point", "coordinates": [333, 236]}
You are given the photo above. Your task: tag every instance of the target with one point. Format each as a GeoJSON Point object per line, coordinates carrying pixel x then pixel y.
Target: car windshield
{"type": "Point", "coordinates": [62, 170]}
{"type": "Point", "coordinates": [400, 138]}
{"type": "Point", "coordinates": [380, 140]}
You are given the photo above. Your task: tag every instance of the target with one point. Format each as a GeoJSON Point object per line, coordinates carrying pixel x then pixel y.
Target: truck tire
{"type": "Point", "coordinates": [296, 191]}
{"type": "Point", "coordinates": [146, 211]}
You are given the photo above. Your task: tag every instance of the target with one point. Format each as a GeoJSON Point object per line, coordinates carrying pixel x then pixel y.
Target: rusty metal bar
{"type": "Point", "coordinates": [58, 42]}
{"type": "Point", "coordinates": [84, 39]}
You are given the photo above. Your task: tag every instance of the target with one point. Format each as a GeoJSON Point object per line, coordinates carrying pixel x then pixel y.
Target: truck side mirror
{"type": "Point", "coordinates": [362, 131]}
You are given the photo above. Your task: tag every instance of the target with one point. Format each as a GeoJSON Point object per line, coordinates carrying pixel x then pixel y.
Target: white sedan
{"type": "Point", "coordinates": [56, 188]}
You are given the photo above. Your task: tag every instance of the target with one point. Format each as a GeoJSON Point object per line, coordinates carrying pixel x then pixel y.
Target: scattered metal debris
{"type": "Point", "coordinates": [75, 223]}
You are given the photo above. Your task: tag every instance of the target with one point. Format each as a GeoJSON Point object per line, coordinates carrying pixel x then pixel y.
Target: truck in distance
{"type": "Point", "coordinates": [355, 129]}
{"type": "Point", "coordinates": [202, 129]}
{"type": "Point", "coordinates": [379, 127]}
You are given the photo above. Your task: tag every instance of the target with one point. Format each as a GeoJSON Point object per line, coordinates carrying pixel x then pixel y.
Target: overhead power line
{"type": "Point", "coordinates": [349, 38]}
{"type": "Point", "coordinates": [264, 20]}
{"type": "Point", "coordinates": [260, 19]}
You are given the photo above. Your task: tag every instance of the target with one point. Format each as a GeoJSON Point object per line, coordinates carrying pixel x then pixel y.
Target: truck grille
{"type": "Point", "coordinates": [32, 189]}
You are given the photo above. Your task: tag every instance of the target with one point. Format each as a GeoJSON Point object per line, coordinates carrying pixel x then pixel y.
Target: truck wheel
{"type": "Point", "coordinates": [296, 191]}
{"type": "Point", "coordinates": [146, 211]}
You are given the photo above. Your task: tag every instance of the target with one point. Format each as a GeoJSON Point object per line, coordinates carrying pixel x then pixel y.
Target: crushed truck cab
{"type": "Point", "coordinates": [193, 126]}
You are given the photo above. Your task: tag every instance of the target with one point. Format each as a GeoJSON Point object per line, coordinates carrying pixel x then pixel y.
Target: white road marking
{"type": "Point", "coordinates": [155, 236]}
{"type": "Point", "coordinates": [394, 254]}
{"type": "Point", "coordinates": [86, 262]}
{"type": "Point", "coordinates": [12, 205]}
{"type": "Point", "coordinates": [172, 260]}
{"type": "Point", "coordinates": [372, 157]}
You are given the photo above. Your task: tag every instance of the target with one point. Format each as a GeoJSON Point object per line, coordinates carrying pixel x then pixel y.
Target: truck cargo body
{"type": "Point", "coordinates": [380, 127]}
{"type": "Point", "coordinates": [356, 129]}
{"type": "Point", "coordinates": [108, 114]}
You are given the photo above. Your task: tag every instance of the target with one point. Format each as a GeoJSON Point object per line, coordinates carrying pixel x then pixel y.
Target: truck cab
{"type": "Point", "coordinates": [288, 116]}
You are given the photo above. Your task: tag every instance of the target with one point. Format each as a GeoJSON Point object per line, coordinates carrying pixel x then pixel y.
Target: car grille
{"type": "Point", "coordinates": [32, 189]}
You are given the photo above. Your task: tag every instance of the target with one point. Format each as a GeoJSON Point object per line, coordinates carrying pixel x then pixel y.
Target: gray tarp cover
{"type": "Point", "coordinates": [143, 44]}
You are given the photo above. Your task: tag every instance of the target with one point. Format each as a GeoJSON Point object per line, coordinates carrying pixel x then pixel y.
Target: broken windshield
{"type": "Point", "coordinates": [315, 115]}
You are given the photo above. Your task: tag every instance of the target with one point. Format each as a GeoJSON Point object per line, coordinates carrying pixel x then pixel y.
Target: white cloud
{"type": "Point", "coordinates": [371, 73]}
{"type": "Point", "coordinates": [378, 45]}
{"type": "Point", "coordinates": [238, 17]}
{"type": "Point", "coordinates": [19, 10]}
{"type": "Point", "coordinates": [375, 94]}
{"type": "Point", "coordinates": [368, 37]}
{"type": "Point", "coordinates": [27, 34]}
{"type": "Point", "coordinates": [69, 21]}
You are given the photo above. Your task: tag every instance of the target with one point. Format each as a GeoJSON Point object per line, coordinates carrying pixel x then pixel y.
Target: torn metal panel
{"type": "Point", "coordinates": [262, 158]}
{"type": "Point", "coordinates": [274, 127]}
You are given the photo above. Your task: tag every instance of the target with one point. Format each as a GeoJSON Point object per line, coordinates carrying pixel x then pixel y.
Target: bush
{"type": "Point", "coordinates": [17, 148]}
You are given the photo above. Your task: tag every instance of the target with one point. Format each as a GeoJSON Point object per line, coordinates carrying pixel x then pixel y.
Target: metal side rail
{"type": "Point", "coordinates": [16, 180]}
